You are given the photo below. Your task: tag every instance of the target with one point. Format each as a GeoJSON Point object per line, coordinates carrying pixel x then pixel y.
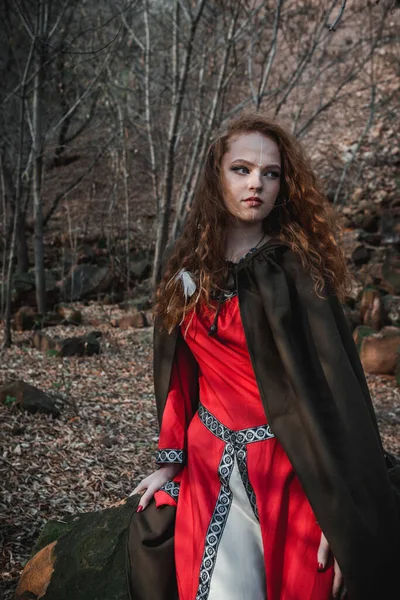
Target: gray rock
{"type": "Point", "coordinates": [86, 281]}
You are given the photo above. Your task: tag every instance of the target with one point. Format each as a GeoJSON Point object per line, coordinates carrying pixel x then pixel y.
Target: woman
{"type": "Point", "coordinates": [269, 447]}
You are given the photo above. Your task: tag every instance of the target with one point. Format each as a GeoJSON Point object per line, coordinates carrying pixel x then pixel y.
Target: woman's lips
{"type": "Point", "coordinates": [253, 201]}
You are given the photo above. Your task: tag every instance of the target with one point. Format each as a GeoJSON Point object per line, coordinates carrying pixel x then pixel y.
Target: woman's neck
{"type": "Point", "coordinates": [240, 241]}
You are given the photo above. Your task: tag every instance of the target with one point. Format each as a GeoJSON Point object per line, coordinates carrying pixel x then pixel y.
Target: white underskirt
{"type": "Point", "coordinates": [239, 572]}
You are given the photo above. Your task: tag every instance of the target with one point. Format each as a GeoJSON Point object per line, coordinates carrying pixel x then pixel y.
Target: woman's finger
{"type": "Point", "coordinates": [141, 487]}
{"type": "Point", "coordinates": [337, 580]}
{"type": "Point", "coordinates": [323, 553]}
{"type": "Point", "coordinates": [145, 499]}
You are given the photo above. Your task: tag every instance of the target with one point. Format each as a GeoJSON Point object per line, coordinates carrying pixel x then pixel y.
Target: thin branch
{"type": "Point", "coordinates": [86, 122]}
{"type": "Point", "coordinates": [203, 138]}
{"type": "Point", "coordinates": [250, 72]}
{"type": "Point", "coordinates": [24, 21]}
{"type": "Point", "coordinates": [175, 53]}
{"type": "Point", "coordinates": [80, 99]}
{"type": "Point", "coordinates": [347, 79]}
{"type": "Point", "coordinates": [271, 54]}
{"type": "Point", "coordinates": [186, 11]}
{"type": "Point", "coordinates": [370, 119]}
{"type": "Point", "coordinates": [28, 81]}
{"type": "Point", "coordinates": [305, 60]}
{"type": "Point", "coordinates": [58, 20]}
{"type": "Point", "coordinates": [149, 119]}
{"type": "Point", "coordinates": [73, 185]}
{"type": "Point", "coordinates": [319, 71]}
{"type": "Point", "coordinates": [41, 38]}
{"type": "Point", "coordinates": [131, 32]}
{"type": "Point", "coordinates": [242, 29]}
{"type": "Point", "coordinates": [360, 140]}
{"type": "Point", "coordinates": [332, 27]}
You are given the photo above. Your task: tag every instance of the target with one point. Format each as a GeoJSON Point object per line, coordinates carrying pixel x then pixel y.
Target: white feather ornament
{"type": "Point", "coordinates": [189, 286]}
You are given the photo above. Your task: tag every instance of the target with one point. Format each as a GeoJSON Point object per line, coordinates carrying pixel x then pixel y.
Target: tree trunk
{"type": "Point", "coordinates": [22, 246]}
{"type": "Point", "coordinates": [169, 167]}
{"type": "Point", "coordinates": [17, 205]}
{"type": "Point", "coordinates": [38, 163]}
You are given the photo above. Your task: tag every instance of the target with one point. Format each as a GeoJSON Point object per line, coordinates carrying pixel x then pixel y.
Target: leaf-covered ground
{"type": "Point", "coordinates": [92, 455]}
{"type": "Point", "coordinates": [104, 441]}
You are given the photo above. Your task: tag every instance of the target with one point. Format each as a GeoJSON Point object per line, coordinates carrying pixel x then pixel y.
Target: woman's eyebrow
{"type": "Point", "coordinates": [247, 162]}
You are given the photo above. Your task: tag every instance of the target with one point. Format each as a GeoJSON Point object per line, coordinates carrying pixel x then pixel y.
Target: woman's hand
{"type": "Point", "coordinates": [338, 590]}
{"type": "Point", "coordinates": [151, 484]}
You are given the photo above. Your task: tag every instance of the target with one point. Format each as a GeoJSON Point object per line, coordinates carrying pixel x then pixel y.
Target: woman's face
{"type": "Point", "coordinates": [250, 171]}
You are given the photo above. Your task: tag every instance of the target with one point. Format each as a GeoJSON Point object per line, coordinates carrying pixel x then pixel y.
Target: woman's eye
{"type": "Point", "coordinates": [240, 169]}
{"type": "Point", "coordinates": [245, 171]}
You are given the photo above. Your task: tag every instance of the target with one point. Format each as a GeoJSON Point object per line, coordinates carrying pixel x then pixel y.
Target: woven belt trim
{"type": "Point", "coordinates": [237, 437]}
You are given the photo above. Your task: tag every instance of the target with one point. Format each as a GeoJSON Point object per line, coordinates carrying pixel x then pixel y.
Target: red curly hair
{"type": "Point", "coordinates": [307, 223]}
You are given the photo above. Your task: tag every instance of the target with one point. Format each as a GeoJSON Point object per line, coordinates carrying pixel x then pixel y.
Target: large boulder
{"type": "Point", "coordinates": [84, 557]}
{"type": "Point", "coordinates": [112, 554]}
{"type": "Point", "coordinates": [86, 281]}
{"type": "Point", "coordinates": [24, 289]}
{"type": "Point", "coordinates": [379, 351]}
{"type": "Point", "coordinates": [360, 332]}
{"type": "Point", "coordinates": [140, 265]}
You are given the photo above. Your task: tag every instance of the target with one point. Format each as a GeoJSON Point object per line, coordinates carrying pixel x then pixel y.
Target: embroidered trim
{"type": "Point", "coordinates": [237, 437]}
{"type": "Point", "coordinates": [241, 455]}
{"type": "Point", "coordinates": [170, 455]}
{"type": "Point", "coordinates": [171, 488]}
{"type": "Point", "coordinates": [217, 523]}
{"type": "Point", "coordinates": [235, 448]}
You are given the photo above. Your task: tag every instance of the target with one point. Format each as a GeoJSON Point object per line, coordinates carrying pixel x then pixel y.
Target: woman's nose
{"type": "Point", "coordinates": [255, 181]}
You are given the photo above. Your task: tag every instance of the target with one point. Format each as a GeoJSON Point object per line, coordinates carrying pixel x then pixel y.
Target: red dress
{"type": "Point", "coordinates": [244, 527]}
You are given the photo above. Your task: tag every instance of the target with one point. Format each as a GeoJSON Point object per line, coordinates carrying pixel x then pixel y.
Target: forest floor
{"type": "Point", "coordinates": [92, 456]}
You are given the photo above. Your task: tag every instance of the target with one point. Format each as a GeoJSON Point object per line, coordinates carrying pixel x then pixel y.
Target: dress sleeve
{"type": "Point", "coordinates": [179, 410]}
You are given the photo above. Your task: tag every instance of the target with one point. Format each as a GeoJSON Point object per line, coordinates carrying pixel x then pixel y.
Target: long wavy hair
{"type": "Point", "coordinates": [301, 217]}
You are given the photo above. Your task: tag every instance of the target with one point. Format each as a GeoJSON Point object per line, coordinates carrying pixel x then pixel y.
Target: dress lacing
{"type": "Point", "coordinates": [230, 290]}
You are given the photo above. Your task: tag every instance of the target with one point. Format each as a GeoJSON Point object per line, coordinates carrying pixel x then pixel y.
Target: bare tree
{"type": "Point", "coordinates": [57, 109]}
{"type": "Point", "coordinates": [39, 35]}
{"type": "Point", "coordinates": [297, 69]}
{"type": "Point", "coordinates": [17, 200]}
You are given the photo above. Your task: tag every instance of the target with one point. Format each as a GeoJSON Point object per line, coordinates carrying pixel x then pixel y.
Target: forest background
{"type": "Point", "coordinates": [107, 109]}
